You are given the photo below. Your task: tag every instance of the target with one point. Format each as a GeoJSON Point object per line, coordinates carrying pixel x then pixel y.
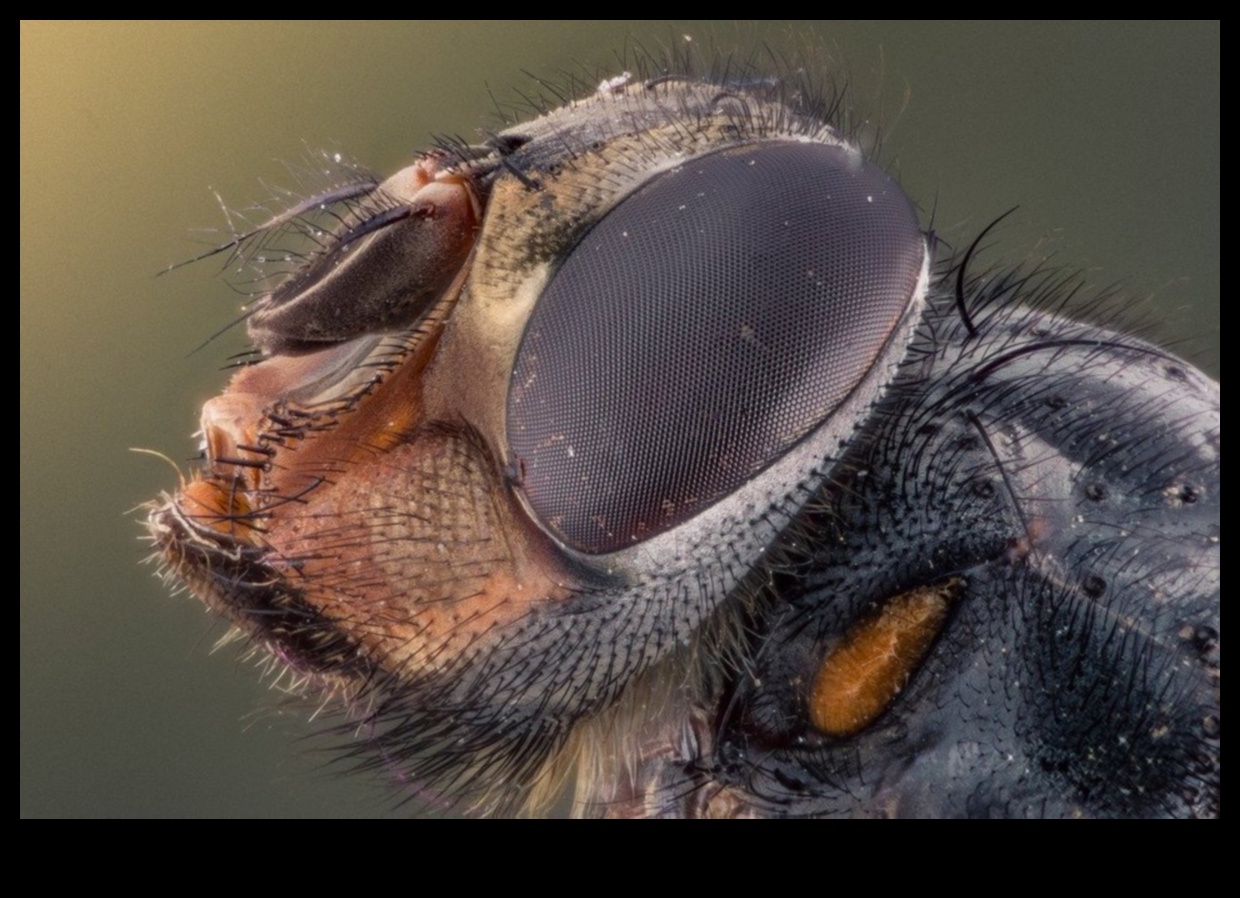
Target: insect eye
{"type": "Point", "coordinates": [700, 330]}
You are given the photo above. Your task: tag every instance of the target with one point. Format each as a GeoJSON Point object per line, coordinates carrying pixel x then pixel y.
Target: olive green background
{"type": "Point", "coordinates": [1106, 136]}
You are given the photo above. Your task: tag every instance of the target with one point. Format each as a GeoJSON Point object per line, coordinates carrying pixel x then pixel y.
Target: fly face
{"type": "Point", "coordinates": [650, 440]}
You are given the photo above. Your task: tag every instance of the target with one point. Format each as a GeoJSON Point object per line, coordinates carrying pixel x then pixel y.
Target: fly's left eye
{"type": "Point", "coordinates": [700, 330]}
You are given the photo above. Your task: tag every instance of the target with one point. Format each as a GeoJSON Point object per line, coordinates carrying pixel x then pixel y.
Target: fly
{"type": "Point", "coordinates": [658, 440]}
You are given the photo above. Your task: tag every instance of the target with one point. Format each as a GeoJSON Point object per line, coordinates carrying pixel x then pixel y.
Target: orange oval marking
{"type": "Point", "coordinates": [859, 678]}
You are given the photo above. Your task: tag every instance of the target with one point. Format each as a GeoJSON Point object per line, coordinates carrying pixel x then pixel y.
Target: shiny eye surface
{"type": "Point", "coordinates": [700, 329]}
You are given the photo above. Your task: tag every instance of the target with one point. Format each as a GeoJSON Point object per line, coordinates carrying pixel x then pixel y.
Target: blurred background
{"type": "Point", "coordinates": [1106, 136]}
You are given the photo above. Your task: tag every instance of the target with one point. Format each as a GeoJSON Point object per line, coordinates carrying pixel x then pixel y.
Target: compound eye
{"type": "Point", "coordinates": [701, 329]}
